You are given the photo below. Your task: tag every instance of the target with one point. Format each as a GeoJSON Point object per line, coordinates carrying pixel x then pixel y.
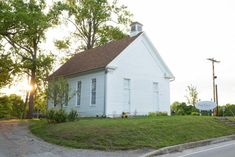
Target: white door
{"type": "Point", "coordinates": [126, 95]}
{"type": "Point", "coordinates": [156, 97]}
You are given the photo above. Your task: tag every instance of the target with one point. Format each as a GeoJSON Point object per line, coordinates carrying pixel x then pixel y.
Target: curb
{"type": "Point", "coordinates": [181, 147]}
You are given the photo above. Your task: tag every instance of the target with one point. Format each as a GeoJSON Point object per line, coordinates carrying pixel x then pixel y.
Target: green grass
{"type": "Point", "coordinates": [131, 133]}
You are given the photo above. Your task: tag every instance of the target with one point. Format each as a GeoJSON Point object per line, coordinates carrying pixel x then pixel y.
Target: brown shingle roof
{"type": "Point", "coordinates": [92, 59]}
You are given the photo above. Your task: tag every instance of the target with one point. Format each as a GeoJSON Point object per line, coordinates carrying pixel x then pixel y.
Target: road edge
{"type": "Point", "coordinates": [181, 147]}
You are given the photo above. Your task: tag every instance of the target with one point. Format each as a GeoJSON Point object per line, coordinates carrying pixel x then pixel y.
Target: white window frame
{"type": "Point", "coordinates": [80, 92]}
{"type": "Point", "coordinates": [95, 91]}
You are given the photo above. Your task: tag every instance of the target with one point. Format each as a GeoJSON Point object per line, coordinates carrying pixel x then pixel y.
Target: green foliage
{"type": "Point", "coordinates": [60, 116]}
{"type": "Point", "coordinates": [5, 107]}
{"type": "Point", "coordinates": [154, 114]}
{"type": "Point", "coordinates": [7, 69]}
{"type": "Point", "coordinates": [73, 115]}
{"type": "Point", "coordinates": [56, 116]}
{"type": "Point", "coordinates": [18, 106]}
{"type": "Point", "coordinates": [195, 113]}
{"type": "Point", "coordinates": [161, 114]}
{"type": "Point", "coordinates": [58, 92]}
{"type": "Point", "coordinates": [178, 108]}
{"type": "Point", "coordinates": [23, 25]}
{"type": "Point", "coordinates": [40, 105]}
{"type": "Point", "coordinates": [12, 107]}
{"type": "Point", "coordinates": [96, 21]}
{"type": "Point", "coordinates": [192, 95]}
{"type": "Point", "coordinates": [229, 110]}
{"type": "Point", "coordinates": [51, 116]}
{"type": "Point", "coordinates": [62, 44]}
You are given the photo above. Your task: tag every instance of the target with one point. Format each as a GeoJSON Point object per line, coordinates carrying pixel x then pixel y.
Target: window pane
{"type": "Point", "coordinates": [66, 95]}
{"type": "Point", "coordinates": [155, 86]}
{"type": "Point", "coordinates": [139, 28]}
{"type": "Point", "coordinates": [93, 91]}
{"type": "Point", "coordinates": [133, 28]}
{"type": "Point", "coordinates": [79, 92]}
{"type": "Point", "coordinates": [126, 84]}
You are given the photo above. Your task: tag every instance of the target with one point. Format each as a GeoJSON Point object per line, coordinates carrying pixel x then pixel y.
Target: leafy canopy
{"type": "Point", "coordinates": [96, 22]}
{"type": "Point", "coordinates": [23, 25]}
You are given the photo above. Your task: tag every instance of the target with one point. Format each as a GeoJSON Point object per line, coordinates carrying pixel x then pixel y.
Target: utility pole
{"type": "Point", "coordinates": [213, 79]}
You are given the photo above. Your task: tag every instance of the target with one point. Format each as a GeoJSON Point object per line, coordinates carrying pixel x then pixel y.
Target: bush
{"type": "Point", "coordinates": [51, 115]}
{"type": "Point", "coordinates": [56, 116]}
{"type": "Point", "coordinates": [178, 108]}
{"type": "Point", "coordinates": [154, 114]}
{"type": "Point", "coordinates": [12, 107]}
{"type": "Point", "coordinates": [5, 107]}
{"type": "Point", "coordinates": [195, 114]}
{"type": "Point", "coordinates": [73, 115]}
{"type": "Point", "coordinates": [161, 114]}
{"type": "Point", "coordinates": [18, 106]}
{"type": "Point", "coordinates": [60, 116]}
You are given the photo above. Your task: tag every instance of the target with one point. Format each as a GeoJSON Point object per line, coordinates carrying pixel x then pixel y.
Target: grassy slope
{"type": "Point", "coordinates": [132, 133]}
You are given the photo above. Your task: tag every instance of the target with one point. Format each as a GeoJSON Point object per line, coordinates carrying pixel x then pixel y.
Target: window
{"type": "Point", "coordinates": [55, 97]}
{"type": "Point", "coordinates": [139, 28]}
{"type": "Point", "coordinates": [93, 91]}
{"type": "Point", "coordinates": [126, 84]}
{"type": "Point", "coordinates": [133, 28]}
{"type": "Point", "coordinates": [126, 95]}
{"type": "Point", "coordinates": [156, 96]}
{"type": "Point", "coordinates": [79, 87]}
{"type": "Point", "coordinates": [66, 95]}
{"type": "Point", "coordinates": [155, 87]}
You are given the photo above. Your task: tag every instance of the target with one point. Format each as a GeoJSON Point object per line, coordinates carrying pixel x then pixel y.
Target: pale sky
{"type": "Point", "coordinates": [186, 33]}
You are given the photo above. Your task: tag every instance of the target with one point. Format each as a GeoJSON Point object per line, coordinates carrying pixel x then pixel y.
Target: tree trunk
{"type": "Point", "coordinates": [32, 92]}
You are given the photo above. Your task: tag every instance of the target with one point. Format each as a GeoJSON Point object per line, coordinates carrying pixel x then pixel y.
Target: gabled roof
{"type": "Point", "coordinates": [95, 58]}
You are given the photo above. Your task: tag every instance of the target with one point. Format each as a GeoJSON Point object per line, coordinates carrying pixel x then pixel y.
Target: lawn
{"type": "Point", "coordinates": [131, 133]}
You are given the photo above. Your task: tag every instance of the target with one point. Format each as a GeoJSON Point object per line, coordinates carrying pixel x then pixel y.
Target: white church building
{"type": "Point", "coordinates": [127, 75]}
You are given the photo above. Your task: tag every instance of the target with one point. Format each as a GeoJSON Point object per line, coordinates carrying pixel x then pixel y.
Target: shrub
{"type": "Point", "coordinates": [18, 106]}
{"type": "Point", "coordinates": [51, 115]}
{"type": "Point", "coordinates": [73, 115]}
{"type": "Point", "coordinates": [178, 108]}
{"type": "Point", "coordinates": [195, 114]}
{"type": "Point", "coordinates": [161, 114]}
{"type": "Point", "coordinates": [152, 114]}
{"type": "Point", "coordinates": [5, 107]}
{"type": "Point", "coordinates": [60, 116]}
{"type": "Point", "coordinates": [56, 116]}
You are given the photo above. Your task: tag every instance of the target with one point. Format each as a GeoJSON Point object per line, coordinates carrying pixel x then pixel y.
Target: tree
{"type": "Point", "coordinates": [7, 69]}
{"type": "Point", "coordinates": [192, 95]}
{"type": "Point", "coordinates": [96, 21]}
{"type": "Point", "coordinates": [23, 25]}
{"type": "Point", "coordinates": [59, 92]}
{"type": "Point", "coordinates": [5, 107]}
{"type": "Point", "coordinates": [18, 106]}
{"type": "Point", "coordinates": [181, 108]}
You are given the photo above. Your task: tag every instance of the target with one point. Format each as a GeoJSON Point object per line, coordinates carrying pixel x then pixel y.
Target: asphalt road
{"type": "Point", "coordinates": [225, 149]}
